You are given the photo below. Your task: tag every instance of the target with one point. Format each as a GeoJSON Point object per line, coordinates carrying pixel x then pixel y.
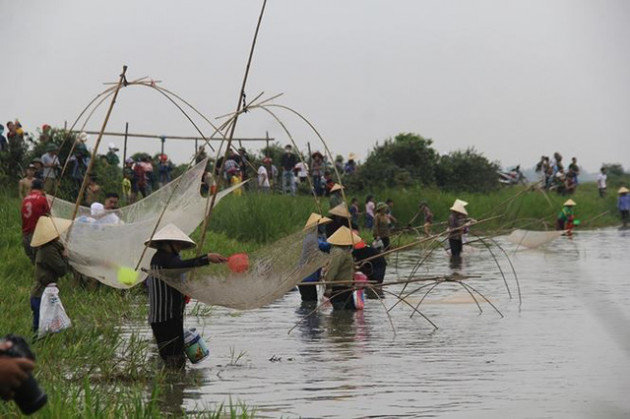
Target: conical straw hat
{"type": "Point", "coordinates": [48, 229]}
{"type": "Point", "coordinates": [569, 203]}
{"type": "Point", "coordinates": [336, 187]}
{"type": "Point", "coordinates": [340, 210]}
{"type": "Point", "coordinates": [463, 203]}
{"type": "Point", "coordinates": [316, 219]}
{"type": "Point", "coordinates": [623, 189]}
{"type": "Point", "coordinates": [344, 237]}
{"type": "Point", "coordinates": [459, 206]}
{"type": "Point", "coordinates": [170, 233]}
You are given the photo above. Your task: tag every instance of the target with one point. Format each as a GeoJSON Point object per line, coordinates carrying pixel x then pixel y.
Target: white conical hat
{"type": "Point", "coordinates": [340, 210]}
{"type": "Point", "coordinates": [48, 229]}
{"type": "Point", "coordinates": [623, 189]}
{"type": "Point", "coordinates": [459, 206]}
{"type": "Point", "coordinates": [336, 187]}
{"type": "Point", "coordinates": [463, 203]}
{"type": "Point", "coordinates": [170, 232]}
{"type": "Point", "coordinates": [316, 219]}
{"type": "Point", "coordinates": [344, 237]}
{"type": "Point", "coordinates": [569, 203]}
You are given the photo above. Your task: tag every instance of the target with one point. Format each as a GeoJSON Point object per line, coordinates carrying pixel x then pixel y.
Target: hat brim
{"type": "Point", "coordinates": [316, 219]}
{"type": "Point", "coordinates": [459, 209]}
{"type": "Point", "coordinates": [344, 237]}
{"type": "Point", "coordinates": [155, 243]}
{"type": "Point", "coordinates": [49, 229]}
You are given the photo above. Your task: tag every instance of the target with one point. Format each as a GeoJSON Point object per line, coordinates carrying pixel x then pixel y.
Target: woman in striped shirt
{"type": "Point", "coordinates": [166, 304]}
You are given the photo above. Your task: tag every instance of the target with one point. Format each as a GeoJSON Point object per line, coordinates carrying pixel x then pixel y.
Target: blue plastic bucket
{"type": "Point", "coordinates": [194, 346]}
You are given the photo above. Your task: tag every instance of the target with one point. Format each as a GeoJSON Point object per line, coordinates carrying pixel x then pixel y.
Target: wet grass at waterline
{"type": "Point", "coordinates": [96, 368]}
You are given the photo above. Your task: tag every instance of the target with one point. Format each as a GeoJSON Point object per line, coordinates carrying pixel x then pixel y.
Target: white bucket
{"type": "Point", "coordinates": [194, 346]}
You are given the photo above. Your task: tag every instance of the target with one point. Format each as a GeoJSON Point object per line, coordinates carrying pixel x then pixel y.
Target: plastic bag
{"type": "Point", "coordinates": [52, 316]}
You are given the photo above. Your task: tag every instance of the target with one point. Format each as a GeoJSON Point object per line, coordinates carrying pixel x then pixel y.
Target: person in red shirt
{"type": "Point", "coordinates": [34, 205]}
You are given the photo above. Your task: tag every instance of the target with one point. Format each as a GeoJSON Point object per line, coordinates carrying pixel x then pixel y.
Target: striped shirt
{"type": "Point", "coordinates": [165, 302]}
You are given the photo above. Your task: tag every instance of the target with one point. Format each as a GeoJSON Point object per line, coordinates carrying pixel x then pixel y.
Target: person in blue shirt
{"type": "Point", "coordinates": [623, 204]}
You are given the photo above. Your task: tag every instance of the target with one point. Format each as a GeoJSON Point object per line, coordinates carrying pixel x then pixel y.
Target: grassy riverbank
{"type": "Point", "coordinates": [98, 368]}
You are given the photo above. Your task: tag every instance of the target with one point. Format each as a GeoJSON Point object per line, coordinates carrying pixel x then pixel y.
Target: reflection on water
{"type": "Point", "coordinates": [564, 353]}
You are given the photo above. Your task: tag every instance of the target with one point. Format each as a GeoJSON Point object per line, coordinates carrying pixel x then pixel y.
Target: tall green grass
{"type": "Point", "coordinates": [265, 218]}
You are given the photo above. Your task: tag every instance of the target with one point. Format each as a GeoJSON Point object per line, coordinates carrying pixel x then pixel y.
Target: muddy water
{"type": "Point", "coordinates": [565, 352]}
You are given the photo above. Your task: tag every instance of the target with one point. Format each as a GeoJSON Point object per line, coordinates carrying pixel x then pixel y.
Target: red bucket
{"type": "Point", "coordinates": [238, 262]}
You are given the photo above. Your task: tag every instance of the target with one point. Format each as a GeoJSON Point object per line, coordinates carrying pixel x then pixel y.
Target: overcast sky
{"type": "Point", "coordinates": [514, 79]}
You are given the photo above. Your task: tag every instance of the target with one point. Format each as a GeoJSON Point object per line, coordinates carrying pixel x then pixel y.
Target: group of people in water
{"type": "Point", "coordinates": [355, 260]}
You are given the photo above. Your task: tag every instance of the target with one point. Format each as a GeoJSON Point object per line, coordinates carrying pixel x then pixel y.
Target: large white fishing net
{"type": "Point", "coordinates": [272, 272]}
{"type": "Point", "coordinates": [107, 246]}
{"type": "Point", "coordinates": [532, 239]}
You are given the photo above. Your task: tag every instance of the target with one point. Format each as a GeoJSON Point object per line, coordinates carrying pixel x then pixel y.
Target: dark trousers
{"type": "Point", "coordinates": [342, 298]}
{"type": "Point", "coordinates": [308, 292]}
{"type": "Point", "coordinates": [169, 336]}
{"type": "Point", "coordinates": [35, 304]}
{"type": "Point", "coordinates": [26, 243]}
{"type": "Point", "coordinates": [385, 241]}
{"type": "Point", "coordinates": [456, 246]}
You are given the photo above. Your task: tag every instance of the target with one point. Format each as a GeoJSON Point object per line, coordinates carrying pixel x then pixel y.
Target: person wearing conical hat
{"type": "Point", "coordinates": [51, 258]}
{"type": "Point", "coordinates": [565, 216]}
{"type": "Point", "coordinates": [381, 229]}
{"type": "Point", "coordinates": [623, 204]}
{"type": "Point", "coordinates": [340, 216]}
{"type": "Point", "coordinates": [311, 245]}
{"type": "Point", "coordinates": [456, 225]}
{"type": "Point", "coordinates": [341, 269]}
{"type": "Point", "coordinates": [166, 304]}
{"type": "Point", "coordinates": [335, 198]}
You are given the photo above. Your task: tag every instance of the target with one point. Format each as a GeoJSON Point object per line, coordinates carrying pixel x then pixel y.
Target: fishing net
{"type": "Point", "coordinates": [272, 272]}
{"type": "Point", "coordinates": [532, 239]}
{"type": "Point", "coordinates": [108, 245]}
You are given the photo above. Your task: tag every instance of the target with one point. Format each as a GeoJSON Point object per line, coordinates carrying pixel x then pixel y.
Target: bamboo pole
{"type": "Point", "coordinates": [98, 142]}
{"type": "Point", "coordinates": [239, 106]}
{"type": "Point", "coordinates": [170, 137]}
{"type": "Point", "coordinates": [125, 143]}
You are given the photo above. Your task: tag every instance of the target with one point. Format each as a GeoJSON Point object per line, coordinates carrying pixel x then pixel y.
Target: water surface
{"type": "Point", "coordinates": [565, 352]}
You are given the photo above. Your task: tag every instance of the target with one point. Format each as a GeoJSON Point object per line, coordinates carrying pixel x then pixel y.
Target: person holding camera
{"type": "Point", "coordinates": [13, 371]}
{"type": "Point", "coordinates": [17, 383]}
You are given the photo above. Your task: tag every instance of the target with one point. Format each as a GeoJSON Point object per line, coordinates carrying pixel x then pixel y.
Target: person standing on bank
{"type": "Point", "coordinates": [288, 162]}
{"type": "Point", "coordinates": [166, 304]}
{"type": "Point", "coordinates": [51, 260]}
{"type": "Point", "coordinates": [34, 205]}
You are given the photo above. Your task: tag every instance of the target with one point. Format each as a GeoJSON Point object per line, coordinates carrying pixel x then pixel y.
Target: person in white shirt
{"type": "Point", "coordinates": [263, 177]}
{"type": "Point", "coordinates": [302, 171]}
{"type": "Point", "coordinates": [601, 182]}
